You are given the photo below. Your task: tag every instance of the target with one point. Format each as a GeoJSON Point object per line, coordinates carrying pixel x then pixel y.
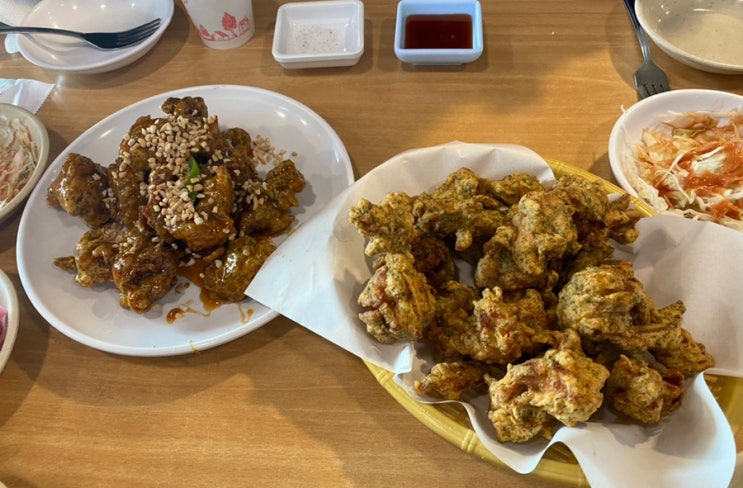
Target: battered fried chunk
{"type": "Point", "coordinates": [450, 380]}
{"type": "Point", "coordinates": [400, 301]}
{"type": "Point", "coordinates": [143, 275]}
{"type": "Point", "coordinates": [80, 190]}
{"type": "Point", "coordinates": [510, 189]}
{"type": "Point", "coordinates": [545, 231]}
{"type": "Point", "coordinates": [547, 301]}
{"type": "Point", "coordinates": [500, 329]}
{"type": "Point", "coordinates": [226, 278]}
{"type": "Point", "coordinates": [389, 225]}
{"type": "Point", "coordinates": [459, 208]}
{"type": "Point", "coordinates": [563, 385]}
{"type": "Point", "coordinates": [94, 255]}
{"type": "Point", "coordinates": [641, 392]}
{"type": "Point", "coordinates": [606, 303]}
{"type": "Point", "coordinates": [269, 201]}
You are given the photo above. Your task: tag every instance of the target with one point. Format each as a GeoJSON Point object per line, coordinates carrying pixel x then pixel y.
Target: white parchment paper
{"type": "Point", "coordinates": [316, 275]}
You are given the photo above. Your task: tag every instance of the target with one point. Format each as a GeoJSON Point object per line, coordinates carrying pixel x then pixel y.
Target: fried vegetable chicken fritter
{"type": "Point", "coordinates": [181, 189]}
{"type": "Point", "coordinates": [563, 384]}
{"type": "Point", "coordinates": [401, 301]}
{"type": "Point", "coordinates": [551, 324]}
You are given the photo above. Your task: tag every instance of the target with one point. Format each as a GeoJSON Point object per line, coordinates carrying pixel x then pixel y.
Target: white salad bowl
{"type": "Point", "coordinates": [651, 113]}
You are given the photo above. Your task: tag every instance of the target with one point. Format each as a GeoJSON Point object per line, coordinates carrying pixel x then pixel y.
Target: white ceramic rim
{"type": "Point", "coordinates": [9, 300]}
{"type": "Point", "coordinates": [287, 59]}
{"type": "Point", "coordinates": [117, 59]}
{"type": "Point", "coordinates": [41, 138]}
{"type": "Point", "coordinates": [648, 112]}
{"type": "Point", "coordinates": [679, 54]}
{"type": "Point", "coordinates": [438, 56]}
{"type": "Point", "coordinates": [93, 317]}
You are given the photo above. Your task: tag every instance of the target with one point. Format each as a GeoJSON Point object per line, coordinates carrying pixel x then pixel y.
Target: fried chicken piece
{"type": "Point", "coordinates": [689, 358]}
{"type": "Point", "coordinates": [266, 214]}
{"type": "Point", "coordinates": [563, 384]}
{"type": "Point", "coordinates": [94, 255]}
{"type": "Point", "coordinates": [433, 258]}
{"type": "Point", "coordinates": [587, 198]}
{"type": "Point", "coordinates": [80, 190]}
{"type": "Point", "coordinates": [126, 183]}
{"type": "Point", "coordinates": [641, 392]}
{"type": "Point", "coordinates": [450, 380]}
{"type": "Point", "coordinates": [621, 219]}
{"type": "Point", "coordinates": [226, 278]}
{"type": "Point", "coordinates": [144, 273]}
{"type": "Point", "coordinates": [595, 250]}
{"type": "Point", "coordinates": [238, 147]}
{"type": "Point", "coordinates": [454, 301]}
{"type": "Point", "coordinates": [544, 231]}
{"type": "Point", "coordinates": [510, 189]}
{"type": "Point", "coordinates": [402, 305]}
{"type": "Point", "coordinates": [468, 220]}
{"type": "Point", "coordinates": [202, 220]}
{"type": "Point", "coordinates": [389, 225]}
{"type": "Point", "coordinates": [186, 107]}
{"type": "Point", "coordinates": [458, 208]}
{"type": "Point", "coordinates": [595, 211]}
{"type": "Point", "coordinates": [663, 330]}
{"type": "Point", "coordinates": [606, 303]}
{"type": "Point", "coordinates": [497, 266]}
{"type": "Point", "coordinates": [500, 329]}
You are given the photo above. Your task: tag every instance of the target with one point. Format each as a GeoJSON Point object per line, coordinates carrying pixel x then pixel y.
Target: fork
{"type": "Point", "coordinates": [649, 79]}
{"type": "Point", "coordinates": [103, 40]}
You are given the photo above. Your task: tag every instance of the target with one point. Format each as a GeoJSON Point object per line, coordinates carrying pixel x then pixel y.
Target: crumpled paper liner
{"type": "Point", "coordinates": [316, 275]}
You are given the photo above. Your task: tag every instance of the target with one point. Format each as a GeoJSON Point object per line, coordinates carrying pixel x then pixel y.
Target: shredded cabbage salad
{"type": "Point", "coordinates": [18, 156]}
{"type": "Point", "coordinates": [692, 165]}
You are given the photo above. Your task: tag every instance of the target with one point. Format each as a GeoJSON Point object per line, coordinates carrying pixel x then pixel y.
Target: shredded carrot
{"type": "Point", "coordinates": [18, 156]}
{"type": "Point", "coordinates": [693, 165]}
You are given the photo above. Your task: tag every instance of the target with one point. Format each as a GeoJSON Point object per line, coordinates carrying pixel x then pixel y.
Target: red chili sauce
{"type": "Point", "coordinates": [438, 31]}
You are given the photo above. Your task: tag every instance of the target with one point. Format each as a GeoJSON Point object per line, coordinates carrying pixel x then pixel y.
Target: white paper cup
{"type": "Point", "coordinates": [222, 24]}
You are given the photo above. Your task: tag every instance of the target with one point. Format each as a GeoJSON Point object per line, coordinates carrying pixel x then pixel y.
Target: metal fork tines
{"type": "Point", "coordinates": [103, 40]}
{"type": "Point", "coordinates": [649, 79]}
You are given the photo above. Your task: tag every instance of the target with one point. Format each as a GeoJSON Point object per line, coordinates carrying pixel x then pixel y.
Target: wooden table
{"type": "Point", "coordinates": [281, 406]}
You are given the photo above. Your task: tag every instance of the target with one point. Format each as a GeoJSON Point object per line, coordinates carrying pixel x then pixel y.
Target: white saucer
{"type": "Point", "coordinates": [60, 53]}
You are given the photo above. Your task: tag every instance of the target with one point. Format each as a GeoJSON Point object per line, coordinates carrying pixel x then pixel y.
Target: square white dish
{"type": "Point", "coordinates": [438, 56]}
{"type": "Point", "coordinates": [320, 34]}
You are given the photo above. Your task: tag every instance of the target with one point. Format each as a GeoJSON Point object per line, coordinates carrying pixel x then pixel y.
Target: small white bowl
{"type": "Point", "coordinates": [438, 56]}
{"type": "Point", "coordinates": [320, 34]}
{"type": "Point", "coordinates": [67, 54]}
{"type": "Point", "coordinates": [40, 139]}
{"type": "Point", "coordinates": [703, 34]}
{"type": "Point", "coordinates": [9, 300]}
{"type": "Point", "coordinates": [651, 112]}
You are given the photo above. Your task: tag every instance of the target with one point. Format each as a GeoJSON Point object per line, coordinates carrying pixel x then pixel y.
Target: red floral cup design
{"type": "Point", "coordinates": [231, 28]}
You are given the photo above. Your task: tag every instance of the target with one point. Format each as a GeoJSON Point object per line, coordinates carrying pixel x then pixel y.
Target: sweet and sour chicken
{"type": "Point", "coordinates": [181, 190]}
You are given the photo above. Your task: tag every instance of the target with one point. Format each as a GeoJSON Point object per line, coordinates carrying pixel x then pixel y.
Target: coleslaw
{"type": "Point", "coordinates": [692, 165]}
{"type": "Point", "coordinates": [18, 157]}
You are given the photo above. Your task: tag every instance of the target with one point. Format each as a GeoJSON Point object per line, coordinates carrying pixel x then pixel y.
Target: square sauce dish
{"type": "Point", "coordinates": [319, 34]}
{"type": "Point", "coordinates": [438, 33]}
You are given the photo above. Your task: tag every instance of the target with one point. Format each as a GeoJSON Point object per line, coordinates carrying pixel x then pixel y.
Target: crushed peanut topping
{"type": "Point", "coordinates": [171, 141]}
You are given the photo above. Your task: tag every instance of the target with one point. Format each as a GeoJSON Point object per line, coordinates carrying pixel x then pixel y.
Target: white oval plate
{"type": "Point", "coordinates": [62, 53]}
{"type": "Point", "coordinates": [9, 300]}
{"type": "Point", "coordinates": [93, 316]}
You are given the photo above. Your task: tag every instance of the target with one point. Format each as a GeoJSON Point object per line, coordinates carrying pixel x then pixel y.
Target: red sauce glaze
{"type": "Point", "coordinates": [438, 31]}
